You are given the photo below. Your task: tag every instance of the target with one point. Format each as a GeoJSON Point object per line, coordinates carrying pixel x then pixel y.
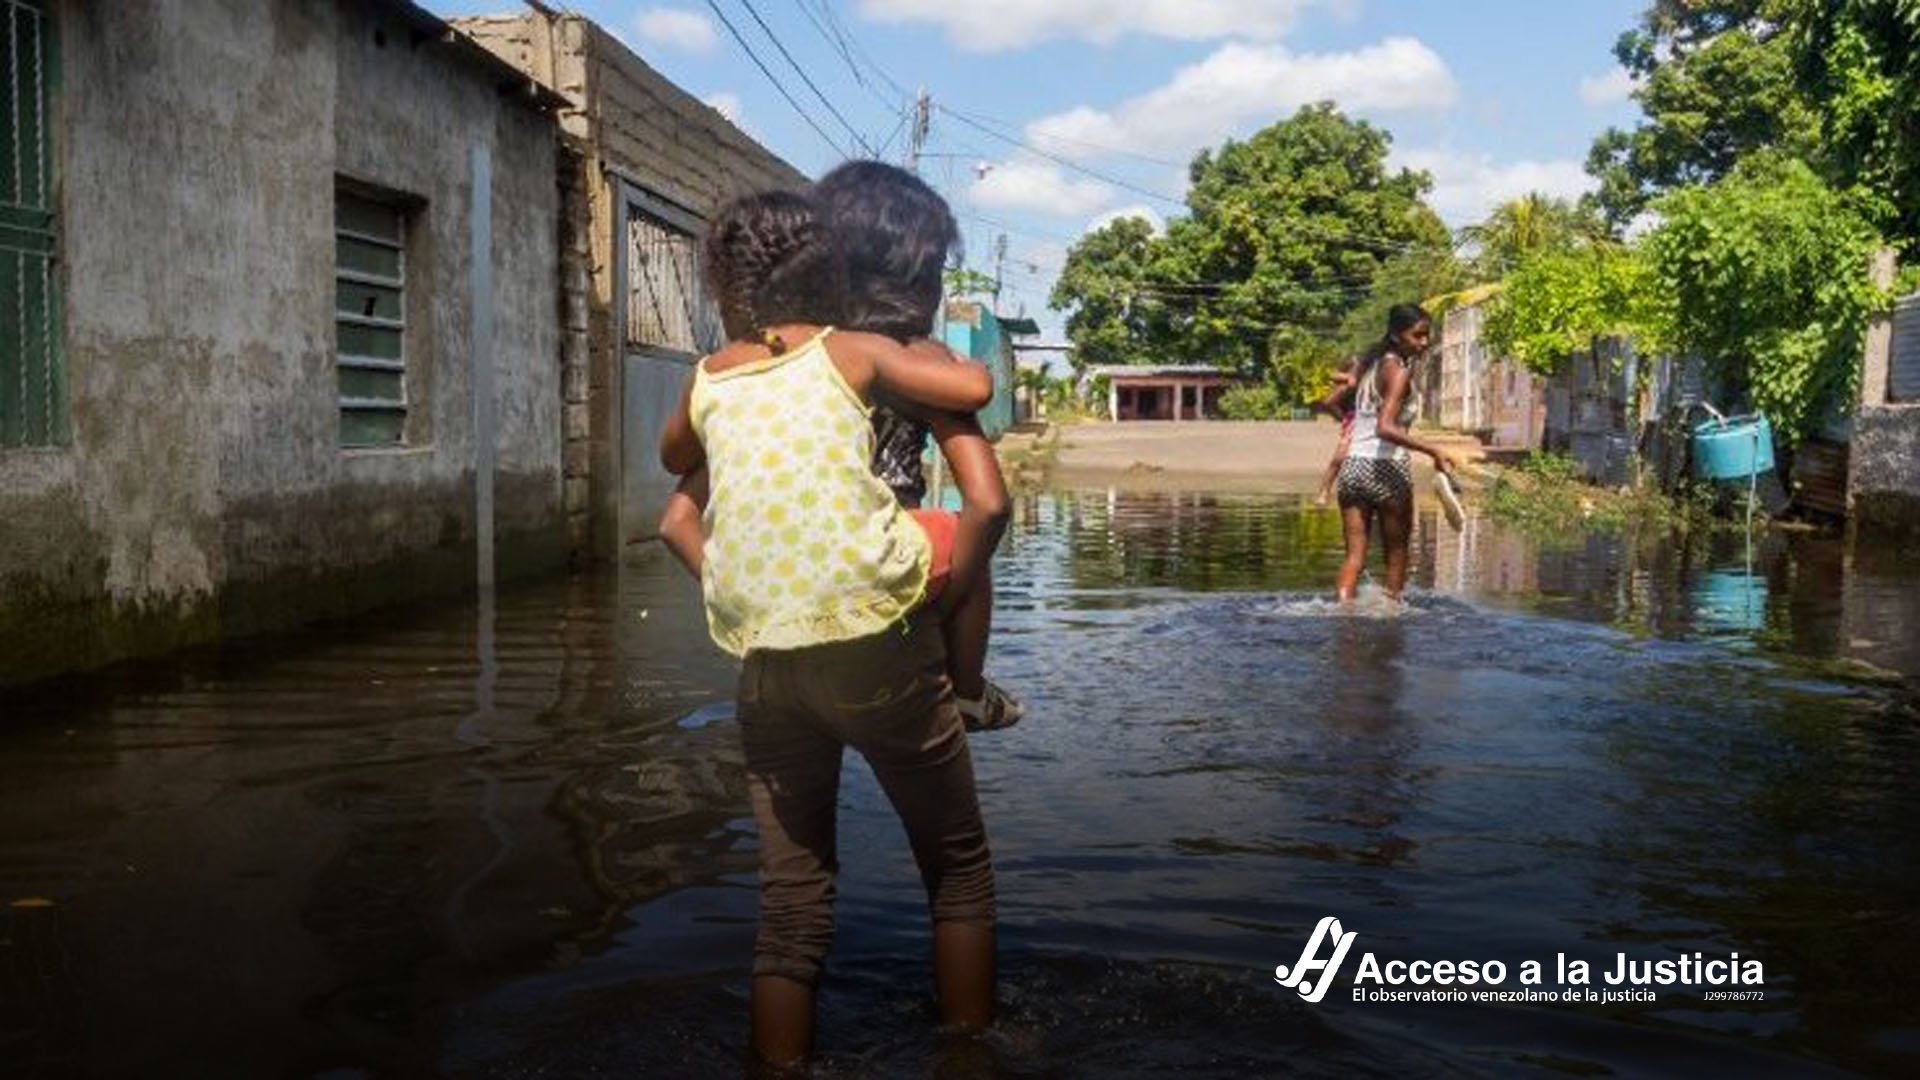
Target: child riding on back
{"type": "Point", "coordinates": [825, 586]}
{"type": "Point", "coordinates": [896, 234]}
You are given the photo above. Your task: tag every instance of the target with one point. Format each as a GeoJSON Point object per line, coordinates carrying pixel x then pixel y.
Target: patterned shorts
{"type": "Point", "coordinates": [1375, 483]}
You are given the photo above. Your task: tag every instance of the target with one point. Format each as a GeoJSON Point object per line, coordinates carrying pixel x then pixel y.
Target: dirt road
{"type": "Point", "coordinates": [1287, 456]}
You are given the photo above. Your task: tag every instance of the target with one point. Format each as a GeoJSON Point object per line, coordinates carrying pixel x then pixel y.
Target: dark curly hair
{"type": "Point", "coordinates": [771, 259]}
{"type": "Point", "coordinates": [897, 233]}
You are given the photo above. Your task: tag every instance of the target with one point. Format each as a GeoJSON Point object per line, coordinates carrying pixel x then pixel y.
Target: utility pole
{"type": "Point", "coordinates": [999, 268]}
{"type": "Point", "coordinates": [922, 126]}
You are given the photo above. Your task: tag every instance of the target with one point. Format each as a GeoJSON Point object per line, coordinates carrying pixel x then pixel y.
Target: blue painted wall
{"type": "Point", "coordinates": [973, 331]}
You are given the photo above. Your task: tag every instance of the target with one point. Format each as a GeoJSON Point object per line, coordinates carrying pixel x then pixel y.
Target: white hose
{"type": "Point", "coordinates": [1753, 490]}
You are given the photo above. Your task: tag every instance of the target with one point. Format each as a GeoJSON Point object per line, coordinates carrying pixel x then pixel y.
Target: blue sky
{"type": "Point", "coordinates": [1494, 97]}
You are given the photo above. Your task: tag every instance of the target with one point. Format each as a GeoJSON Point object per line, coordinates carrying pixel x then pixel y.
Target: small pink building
{"type": "Point", "coordinates": [1166, 392]}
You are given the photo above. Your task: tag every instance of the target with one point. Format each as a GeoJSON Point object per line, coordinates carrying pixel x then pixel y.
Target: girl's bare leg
{"type": "Point", "coordinates": [967, 605]}
{"type": "Point", "coordinates": [1396, 536]}
{"type": "Point", "coordinates": [782, 1020]}
{"type": "Point", "coordinates": [1354, 523]}
{"type": "Point", "coordinates": [963, 973]}
{"type": "Point", "coordinates": [1328, 481]}
{"type": "Point", "coordinates": [967, 624]}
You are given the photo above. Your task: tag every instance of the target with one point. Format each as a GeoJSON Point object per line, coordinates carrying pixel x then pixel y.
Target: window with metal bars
{"type": "Point", "coordinates": [370, 319]}
{"type": "Point", "coordinates": [668, 309]}
{"type": "Point", "coordinates": [33, 378]}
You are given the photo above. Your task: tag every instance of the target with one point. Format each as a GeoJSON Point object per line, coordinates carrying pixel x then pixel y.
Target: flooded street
{"type": "Point", "coordinates": [516, 843]}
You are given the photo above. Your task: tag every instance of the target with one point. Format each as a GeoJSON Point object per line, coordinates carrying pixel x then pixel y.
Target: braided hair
{"type": "Point", "coordinates": [771, 259]}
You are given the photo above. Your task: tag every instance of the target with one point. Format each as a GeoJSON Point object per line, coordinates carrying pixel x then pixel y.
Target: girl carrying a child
{"type": "Point", "coordinates": [829, 591]}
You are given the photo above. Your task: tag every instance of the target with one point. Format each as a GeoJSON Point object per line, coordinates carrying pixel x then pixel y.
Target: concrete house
{"type": "Point", "coordinates": [282, 328]}
{"type": "Point", "coordinates": [1495, 397]}
{"type": "Point", "coordinates": [643, 166]}
{"type": "Point", "coordinates": [1164, 391]}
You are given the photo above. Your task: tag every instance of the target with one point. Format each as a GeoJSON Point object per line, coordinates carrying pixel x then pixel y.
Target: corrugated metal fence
{"type": "Point", "coordinates": [1903, 370]}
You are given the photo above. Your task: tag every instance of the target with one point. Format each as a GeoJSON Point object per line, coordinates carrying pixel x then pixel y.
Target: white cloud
{"type": "Point", "coordinates": [1146, 213]}
{"type": "Point", "coordinates": [990, 25]}
{"type": "Point", "coordinates": [1029, 184]}
{"type": "Point", "coordinates": [1240, 83]}
{"type": "Point", "coordinates": [727, 105]}
{"type": "Point", "coordinates": [1467, 186]}
{"type": "Point", "coordinates": [1609, 89]}
{"type": "Point", "coordinates": [676, 27]}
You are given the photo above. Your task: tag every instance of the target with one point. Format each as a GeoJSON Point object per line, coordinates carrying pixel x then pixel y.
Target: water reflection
{"type": "Point", "coordinates": [288, 853]}
{"type": "Point", "coordinates": [448, 843]}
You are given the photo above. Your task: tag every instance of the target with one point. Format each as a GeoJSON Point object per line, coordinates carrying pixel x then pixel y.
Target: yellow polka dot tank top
{"type": "Point", "coordinates": [805, 546]}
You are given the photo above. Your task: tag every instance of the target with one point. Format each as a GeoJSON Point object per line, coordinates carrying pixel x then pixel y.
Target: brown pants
{"type": "Point", "coordinates": [888, 697]}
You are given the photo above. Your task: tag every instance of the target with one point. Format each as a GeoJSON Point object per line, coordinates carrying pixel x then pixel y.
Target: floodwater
{"type": "Point", "coordinates": [513, 841]}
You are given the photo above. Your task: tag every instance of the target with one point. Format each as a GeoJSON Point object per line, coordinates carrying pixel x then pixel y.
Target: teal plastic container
{"type": "Point", "coordinates": [1732, 449]}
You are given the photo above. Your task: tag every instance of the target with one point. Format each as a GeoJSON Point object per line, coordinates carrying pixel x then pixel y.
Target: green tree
{"type": "Point", "coordinates": [1293, 224]}
{"type": "Point", "coordinates": [1716, 80]}
{"type": "Point", "coordinates": [1032, 383]}
{"type": "Point", "coordinates": [962, 281]}
{"type": "Point", "coordinates": [1859, 60]}
{"type": "Point", "coordinates": [1286, 232]}
{"type": "Point", "coordinates": [1414, 277]}
{"type": "Point", "coordinates": [1114, 319]}
{"type": "Point", "coordinates": [1767, 271]}
{"type": "Point", "coordinates": [1528, 225]}
{"type": "Point", "coordinates": [1558, 300]}
{"type": "Point", "coordinates": [1256, 401]}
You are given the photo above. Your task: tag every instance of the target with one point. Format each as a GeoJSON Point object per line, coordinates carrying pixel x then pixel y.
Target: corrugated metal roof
{"type": "Point", "coordinates": [1468, 297]}
{"type": "Point", "coordinates": [1820, 477]}
{"type": "Point", "coordinates": [1146, 371]}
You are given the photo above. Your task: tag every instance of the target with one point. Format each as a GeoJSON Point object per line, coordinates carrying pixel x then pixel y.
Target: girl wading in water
{"type": "Point", "coordinates": [1376, 479]}
{"type": "Point", "coordinates": [829, 592]}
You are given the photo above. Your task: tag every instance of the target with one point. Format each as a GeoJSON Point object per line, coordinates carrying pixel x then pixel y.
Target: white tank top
{"type": "Point", "coordinates": [1368, 397]}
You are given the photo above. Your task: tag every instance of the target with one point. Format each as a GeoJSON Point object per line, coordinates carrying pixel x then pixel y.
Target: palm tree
{"type": "Point", "coordinates": [1033, 382]}
{"type": "Point", "coordinates": [1532, 223]}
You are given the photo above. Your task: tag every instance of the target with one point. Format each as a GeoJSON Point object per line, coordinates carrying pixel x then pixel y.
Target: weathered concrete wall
{"type": "Point", "coordinates": [1883, 488]}
{"type": "Point", "coordinates": [626, 122]}
{"type": "Point", "coordinates": [1885, 484]}
{"type": "Point", "coordinates": [205, 491]}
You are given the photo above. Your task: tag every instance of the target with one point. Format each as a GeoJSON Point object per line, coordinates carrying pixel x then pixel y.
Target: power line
{"type": "Point", "coordinates": [981, 119]}
{"type": "Point", "coordinates": [1064, 161]}
{"type": "Point", "coordinates": [856, 55]}
{"type": "Point", "coordinates": [838, 43]}
{"type": "Point", "coordinates": [1359, 239]}
{"type": "Point", "coordinates": [858, 138]}
{"type": "Point", "coordinates": [849, 40]}
{"type": "Point", "coordinates": [777, 85]}
{"type": "Point", "coordinates": [898, 126]}
{"type": "Point", "coordinates": [847, 44]}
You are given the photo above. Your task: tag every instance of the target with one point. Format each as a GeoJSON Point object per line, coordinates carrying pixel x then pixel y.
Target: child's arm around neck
{"type": "Point", "coordinates": [923, 373]}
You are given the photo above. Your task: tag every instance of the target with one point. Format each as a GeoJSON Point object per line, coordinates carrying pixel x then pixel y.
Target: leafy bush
{"type": "Point", "coordinates": [1544, 496]}
{"type": "Point", "coordinates": [1550, 467]}
{"type": "Point", "coordinates": [1257, 401]}
{"type": "Point", "coordinates": [1768, 274]}
{"type": "Point", "coordinates": [1558, 301]}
